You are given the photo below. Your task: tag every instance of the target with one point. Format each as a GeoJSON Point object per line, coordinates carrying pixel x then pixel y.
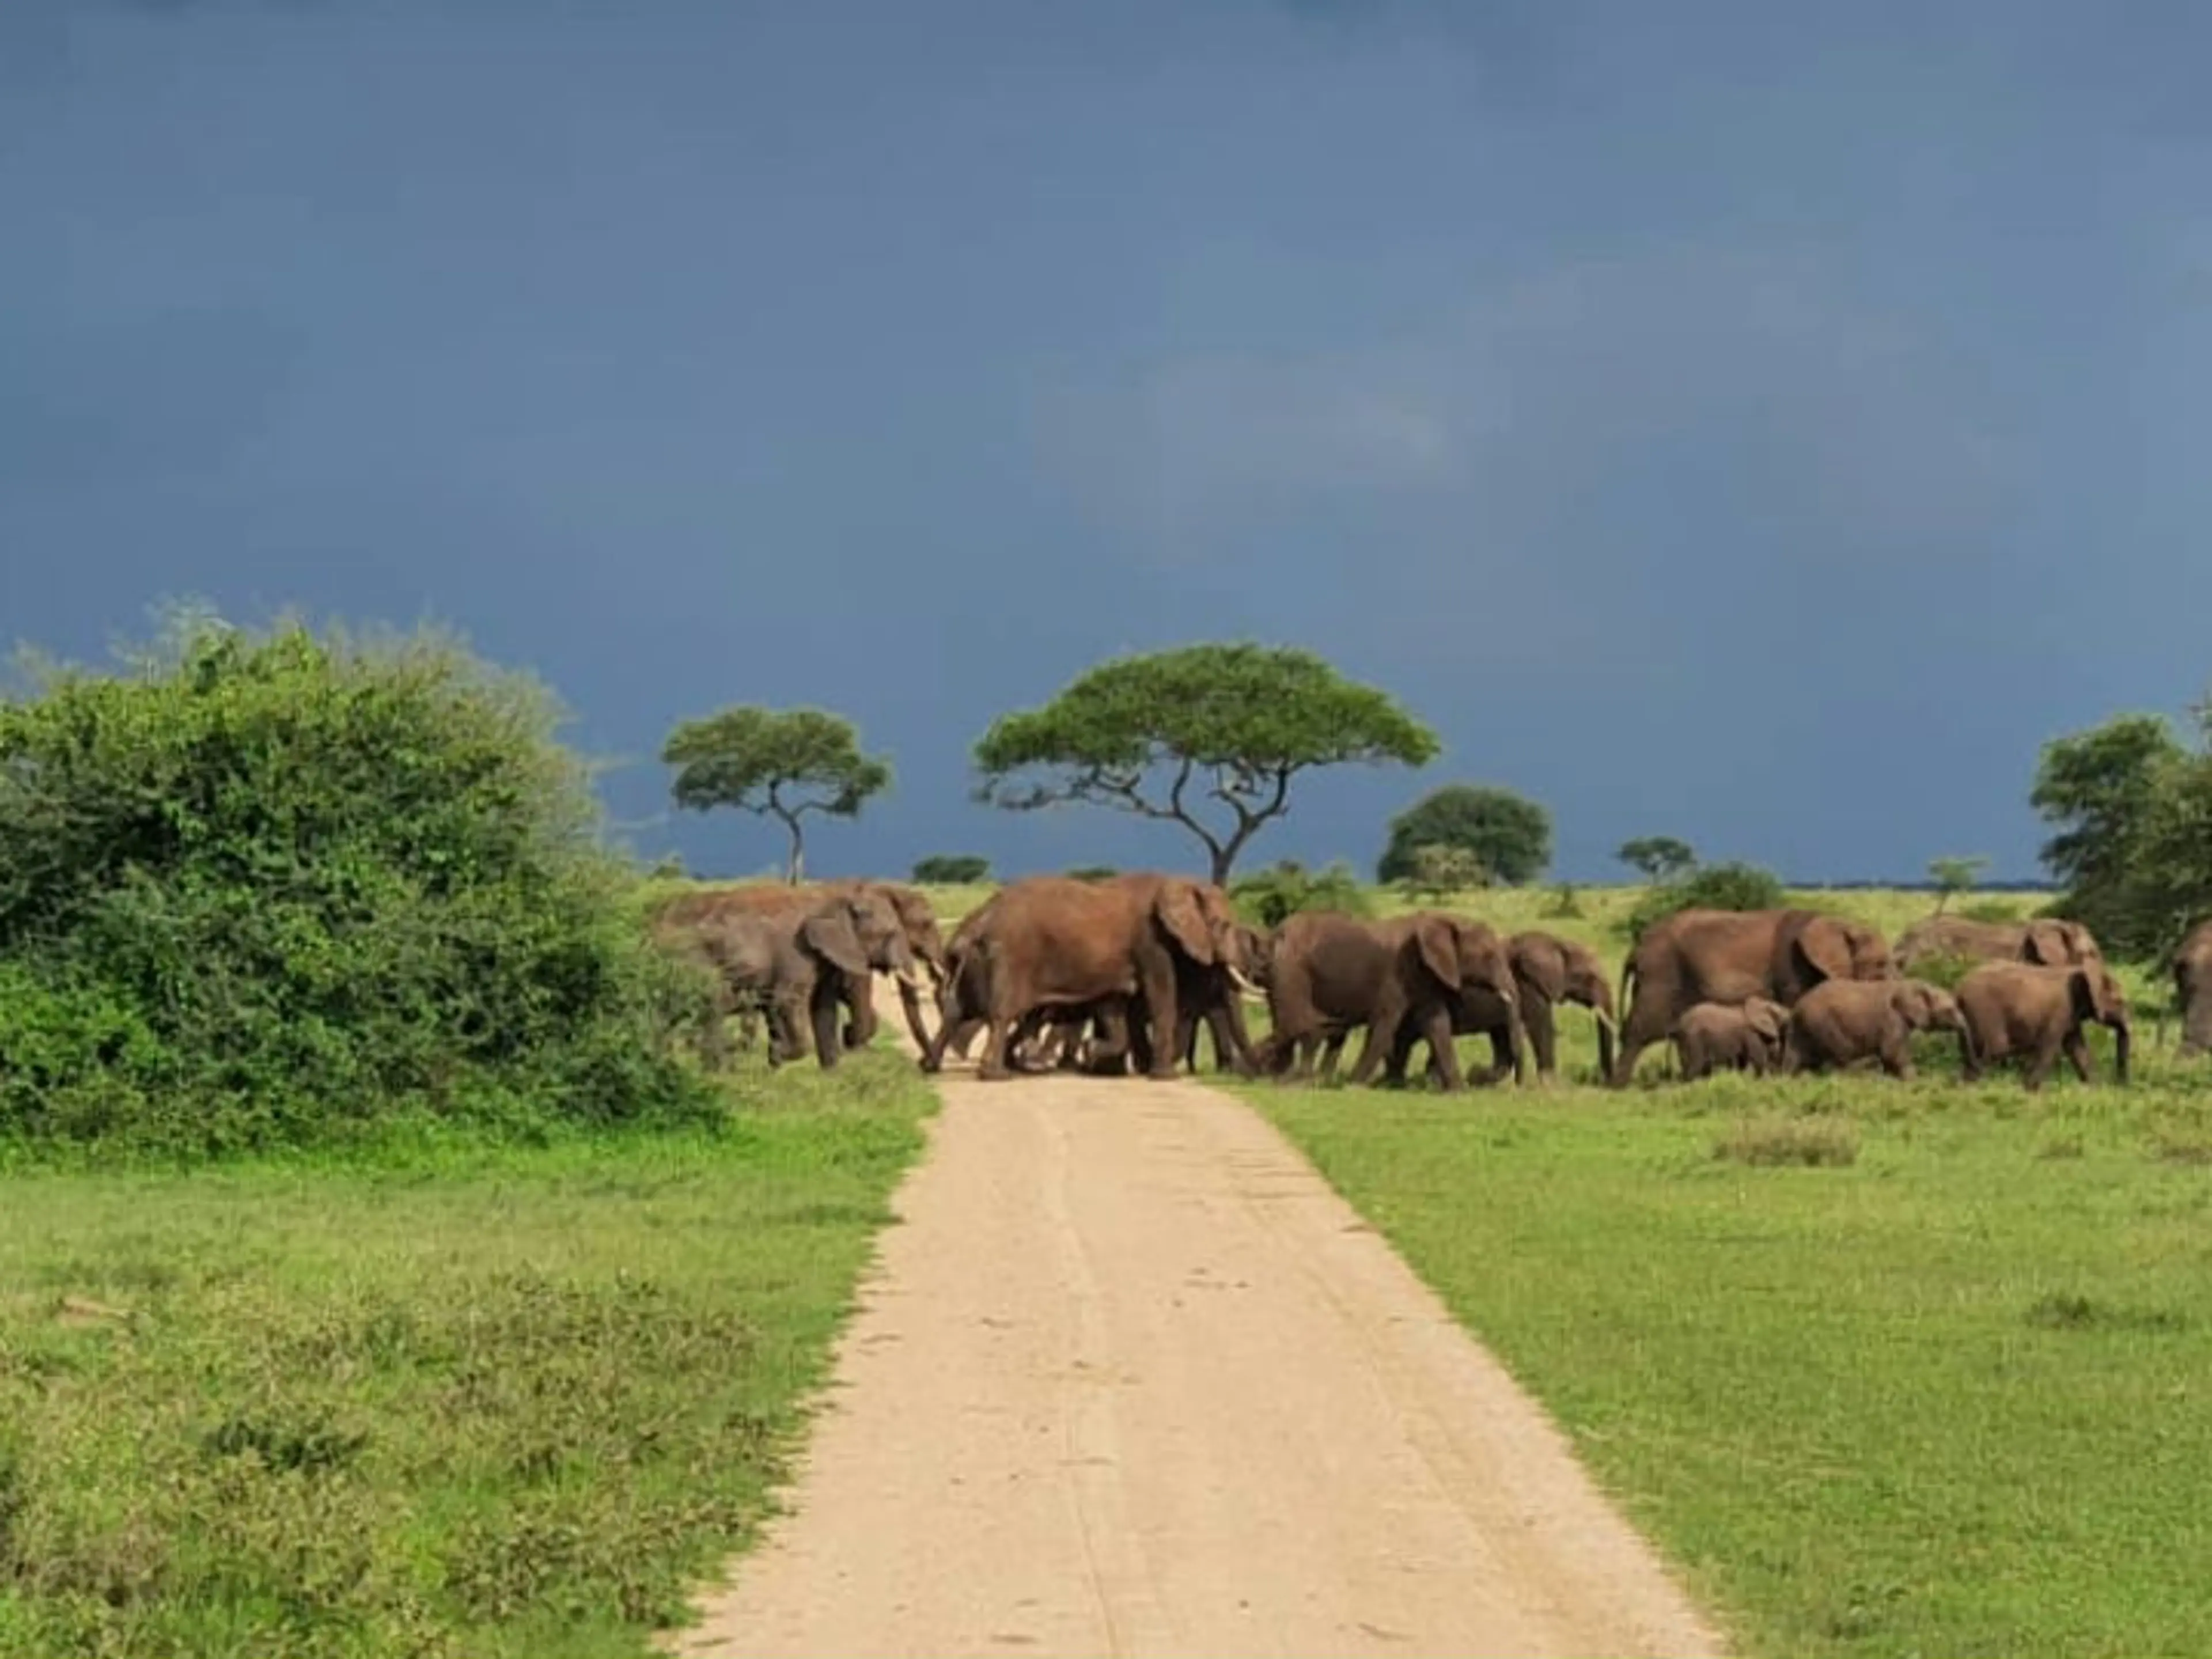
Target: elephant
{"type": "Point", "coordinates": [1701, 955]}
{"type": "Point", "coordinates": [794, 961]}
{"type": "Point", "coordinates": [916, 920]}
{"type": "Point", "coordinates": [1846, 1020]}
{"type": "Point", "coordinates": [1328, 973]}
{"type": "Point", "coordinates": [2044, 939]}
{"type": "Point", "coordinates": [1547, 970]}
{"type": "Point", "coordinates": [2190, 965]}
{"type": "Point", "coordinates": [2025, 1009]}
{"type": "Point", "coordinates": [1744, 1036]}
{"type": "Point", "coordinates": [1058, 940]}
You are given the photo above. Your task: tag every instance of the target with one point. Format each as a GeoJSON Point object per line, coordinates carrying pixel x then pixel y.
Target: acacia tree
{"type": "Point", "coordinates": [1955, 875]}
{"type": "Point", "coordinates": [2100, 789]}
{"type": "Point", "coordinates": [1660, 858]}
{"type": "Point", "coordinates": [1163, 734]}
{"type": "Point", "coordinates": [779, 763]}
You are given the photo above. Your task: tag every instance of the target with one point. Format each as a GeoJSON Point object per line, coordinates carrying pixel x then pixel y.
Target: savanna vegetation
{"type": "Point", "coordinates": [378, 1279]}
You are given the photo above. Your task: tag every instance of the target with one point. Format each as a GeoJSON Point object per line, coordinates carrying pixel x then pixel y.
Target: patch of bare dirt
{"type": "Point", "coordinates": [1130, 1379]}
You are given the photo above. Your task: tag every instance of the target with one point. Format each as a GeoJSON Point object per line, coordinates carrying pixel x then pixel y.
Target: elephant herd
{"type": "Point", "coordinates": [1123, 973]}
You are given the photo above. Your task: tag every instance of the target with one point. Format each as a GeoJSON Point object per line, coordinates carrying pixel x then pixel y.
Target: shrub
{"type": "Point", "coordinates": [1436, 872]}
{"type": "Point", "coordinates": [1565, 901]}
{"type": "Point", "coordinates": [952, 870]}
{"type": "Point", "coordinates": [1815, 1143]}
{"type": "Point", "coordinates": [1989, 910]}
{"type": "Point", "coordinates": [259, 889]}
{"type": "Point", "coordinates": [1266, 897]}
{"type": "Point", "coordinates": [1094, 872]}
{"type": "Point", "coordinates": [1945, 969]}
{"type": "Point", "coordinates": [1731, 886]}
{"type": "Point", "coordinates": [1509, 834]}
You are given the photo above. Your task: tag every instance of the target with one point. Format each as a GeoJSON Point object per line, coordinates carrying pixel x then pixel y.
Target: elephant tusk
{"type": "Point", "coordinates": [1245, 985]}
{"type": "Point", "coordinates": [1606, 1021]}
{"type": "Point", "coordinates": [909, 978]}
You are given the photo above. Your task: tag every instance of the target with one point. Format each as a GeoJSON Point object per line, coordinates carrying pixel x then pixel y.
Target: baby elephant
{"type": "Point", "coordinates": [1745, 1036]}
{"type": "Point", "coordinates": [1840, 1021]}
{"type": "Point", "coordinates": [2018, 1008]}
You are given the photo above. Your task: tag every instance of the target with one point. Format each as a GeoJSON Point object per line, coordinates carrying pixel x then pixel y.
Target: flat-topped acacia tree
{"type": "Point", "coordinates": [780, 764]}
{"type": "Point", "coordinates": [1163, 734]}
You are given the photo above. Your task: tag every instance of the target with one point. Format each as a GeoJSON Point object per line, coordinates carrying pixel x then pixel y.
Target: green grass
{"type": "Point", "coordinates": [1886, 1369]}
{"type": "Point", "coordinates": [476, 1400]}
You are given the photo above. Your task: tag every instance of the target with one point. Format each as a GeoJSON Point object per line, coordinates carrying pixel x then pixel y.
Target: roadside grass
{"type": "Point", "coordinates": [469, 1400]}
{"type": "Point", "coordinates": [1886, 1369]}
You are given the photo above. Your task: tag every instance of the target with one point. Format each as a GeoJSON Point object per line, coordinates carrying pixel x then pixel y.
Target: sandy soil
{"type": "Point", "coordinates": [1132, 1380]}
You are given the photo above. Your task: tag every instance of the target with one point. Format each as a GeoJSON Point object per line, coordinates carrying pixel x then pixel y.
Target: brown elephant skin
{"type": "Point", "coordinates": [792, 958]}
{"type": "Point", "coordinates": [2047, 940]}
{"type": "Point", "coordinates": [1330, 973]}
{"type": "Point", "coordinates": [1844, 1021]}
{"type": "Point", "coordinates": [1727, 955]}
{"type": "Point", "coordinates": [2190, 965]}
{"type": "Point", "coordinates": [1057, 940]}
{"type": "Point", "coordinates": [2025, 1011]}
{"type": "Point", "coordinates": [1742, 1037]}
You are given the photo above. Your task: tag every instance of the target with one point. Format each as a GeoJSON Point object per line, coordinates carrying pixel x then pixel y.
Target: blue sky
{"type": "Point", "coordinates": [1766, 425]}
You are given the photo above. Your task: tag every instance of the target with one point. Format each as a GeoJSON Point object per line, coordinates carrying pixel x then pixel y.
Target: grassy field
{"type": "Point", "coordinates": [1887, 1369]}
{"type": "Point", "coordinates": [474, 1401]}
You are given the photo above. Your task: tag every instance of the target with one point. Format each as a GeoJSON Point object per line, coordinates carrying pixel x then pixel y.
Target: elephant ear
{"type": "Point", "coordinates": [1437, 942]}
{"type": "Point", "coordinates": [830, 935]}
{"type": "Point", "coordinates": [1765, 1018]}
{"type": "Point", "coordinates": [2045, 943]}
{"type": "Point", "coordinates": [1824, 947]}
{"type": "Point", "coordinates": [1543, 964]}
{"type": "Point", "coordinates": [1183, 916]}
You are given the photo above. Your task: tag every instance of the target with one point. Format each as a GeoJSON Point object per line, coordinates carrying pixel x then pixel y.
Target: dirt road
{"type": "Point", "coordinates": [1132, 1380]}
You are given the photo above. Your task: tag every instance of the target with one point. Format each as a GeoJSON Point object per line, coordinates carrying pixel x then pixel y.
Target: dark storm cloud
{"type": "Point", "coordinates": [1761, 428]}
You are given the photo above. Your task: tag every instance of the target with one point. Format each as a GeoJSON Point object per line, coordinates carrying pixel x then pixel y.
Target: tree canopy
{"type": "Point", "coordinates": [1661, 858]}
{"type": "Point", "coordinates": [1163, 734]}
{"type": "Point", "coordinates": [2103, 789]}
{"type": "Point", "coordinates": [1954, 875]}
{"type": "Point", "coordinates": [779, 763]}
{"type": "Point", "coordinates": [1509, 833]}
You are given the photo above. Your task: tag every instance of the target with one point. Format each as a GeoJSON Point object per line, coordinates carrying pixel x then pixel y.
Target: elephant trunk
{"type": "Point", "coordinates": [2120, 1049]}
{"type": "Point", "coordinates": [1608, 1031]}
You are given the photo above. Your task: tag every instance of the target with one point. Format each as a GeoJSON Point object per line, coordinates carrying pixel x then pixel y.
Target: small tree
{"type": "Point", "coordinates": [1954, 876]}
{"type": "Point", "coordinates": [952, 870]}
{"type": "Point", "coordinates": [1660, 858]}
{"type": "Point", "coordinates": [1510, 835]}
{"type": "Point", "coordinates": [1160, 735]}
{"type": "Point", "coordinates": [779, 763]}
{"type": "Point", "coordinates": [2100, 789]}
{"type": "Point", "coordinates": [1437, 872]}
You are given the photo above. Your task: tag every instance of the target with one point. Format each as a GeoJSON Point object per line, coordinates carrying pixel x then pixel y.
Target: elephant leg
{"type": "Point", "coordinates": [1232, 1038]}
{"type": "Point", "coordinates": [1897, 1055]}
{"type": "Point", "coordinates": [1543, 1028]}
{"type": "Point", "coordinates": [2039, 1064]}
{"type": "Point", "coordinates": [1500, 1038]}
{"type": "Point", "coordinates": [1443, 1053]}
{"type": "Point", "coordinates": [1402, 1054]}
{"type": "Point", "coordinates": [1332, 1050]}
{"type": "Point", "coordinates": [823, 1009]}
{"type": "Point", "coordinates": [858, 993]}
{"type": "Point", "coordinates": [2077, 1053]}
{"type": "Point", "coordinates": [1650, 1013]}
{"type": "Point", "coordinates": [1382, 1031]}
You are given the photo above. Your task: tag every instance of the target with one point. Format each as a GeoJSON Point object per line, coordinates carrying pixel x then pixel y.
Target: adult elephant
{"type": "Point", "coordinates": [1400, 978]}
{"type": "Point", "coordinates": [916, 921]}
{"type": "Point", "coordinates": [2045, 940]}
{"type": "Point", "coordinates": [2024, 1009]}
{"type": "Point", "coordinates": [1057, 940]}
{"type": "Point", "coordinates": [1700, 955]}
{"type": "Point", "coordinates": [2190, 965]}
{"type": "Point", "coordinates": [1547, 970]}
{"type": "Point", "coordinates": [794, 961]}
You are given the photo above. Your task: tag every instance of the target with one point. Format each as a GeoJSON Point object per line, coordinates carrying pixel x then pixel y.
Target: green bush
{"type": "Point", "coordinates": [1094, 872]}
{"type": "Point", "coordinates": [1731, 886]}
{"type": "Point", "coordinates": [261, 889]}
{"type": "Point", "coordinates": [1266, 897]}
{"type": "Point", "coordinates": [952, 870]}
{"type": "Point", "coordinates": [1989, 910]}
